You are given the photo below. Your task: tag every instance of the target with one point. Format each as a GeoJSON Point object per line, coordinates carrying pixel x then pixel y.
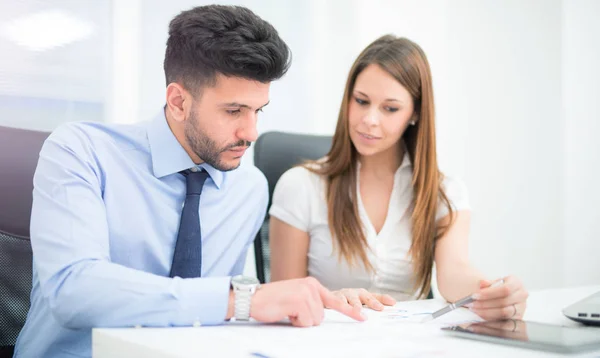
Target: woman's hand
{"type": "Point", "coordinates": [508, 300]}
{"type": "Point", "coordinates": [357, 297]}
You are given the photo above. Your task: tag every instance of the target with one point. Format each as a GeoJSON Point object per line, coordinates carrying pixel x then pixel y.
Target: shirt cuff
{"type": "Point", "coordinates": [204, 301]}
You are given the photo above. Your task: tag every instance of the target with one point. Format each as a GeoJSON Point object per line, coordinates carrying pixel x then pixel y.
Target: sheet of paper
{"type": "Point", "coordinates": [341, 339]}
{"type": "Point", "coordinates": [395, 332]}
{"type": "Point", "coordinates": [412, 312]}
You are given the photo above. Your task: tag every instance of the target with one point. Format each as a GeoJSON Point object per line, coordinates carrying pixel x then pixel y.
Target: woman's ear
{"type": "Point", "coordinates": [413, 119]}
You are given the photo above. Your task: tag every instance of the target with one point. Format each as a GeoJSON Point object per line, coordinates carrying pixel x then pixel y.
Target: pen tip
{"type": "Point", "coordinates": [427, 318]}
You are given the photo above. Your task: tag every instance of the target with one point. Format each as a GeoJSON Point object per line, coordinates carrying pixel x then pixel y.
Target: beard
{"type": "Point", "coordinates": [207, 149]}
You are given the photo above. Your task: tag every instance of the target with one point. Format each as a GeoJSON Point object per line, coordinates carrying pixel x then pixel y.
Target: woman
{"type": "Point", "coordinates": [372, 217]}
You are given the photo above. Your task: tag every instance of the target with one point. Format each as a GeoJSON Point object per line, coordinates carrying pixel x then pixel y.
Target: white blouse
{"type": "Point", "coordinates": [299, 200]}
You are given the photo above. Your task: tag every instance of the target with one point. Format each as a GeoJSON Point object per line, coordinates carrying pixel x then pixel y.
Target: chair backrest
{"type": "Point", "coordinates": [19, 152]}
{"type": "Point", "coordinates": [274, 153]}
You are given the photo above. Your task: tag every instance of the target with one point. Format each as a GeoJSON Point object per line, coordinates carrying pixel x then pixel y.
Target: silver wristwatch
{"type": "Point", "coordinates": [244, 288]}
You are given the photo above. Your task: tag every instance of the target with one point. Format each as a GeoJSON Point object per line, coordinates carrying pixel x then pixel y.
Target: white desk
{"type": "Point", "coordinates": [335, 337]}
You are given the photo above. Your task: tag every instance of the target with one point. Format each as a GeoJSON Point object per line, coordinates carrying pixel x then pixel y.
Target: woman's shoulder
{"type": "Point", "coordinates": [304, 178]}
{"type": "Point", "coordinates": [297, 191]}
{"type": "Point", "coordinates": [308, 171]}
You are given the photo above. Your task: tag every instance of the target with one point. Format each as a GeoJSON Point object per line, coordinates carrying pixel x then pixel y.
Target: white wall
{"type": "Point", "coordinates": [504, 128]}
{"type": "Point", "coordinates": [516, 84]}
{"type": "Point", "coordinates": [581, 109]}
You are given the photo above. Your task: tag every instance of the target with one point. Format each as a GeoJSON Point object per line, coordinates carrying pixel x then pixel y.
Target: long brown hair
{"type": "Point", "coordinates": [407, 63]}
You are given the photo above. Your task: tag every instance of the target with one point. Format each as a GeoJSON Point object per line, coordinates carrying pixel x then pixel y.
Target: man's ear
{"type": "Point", "coordinates": [178, 101]}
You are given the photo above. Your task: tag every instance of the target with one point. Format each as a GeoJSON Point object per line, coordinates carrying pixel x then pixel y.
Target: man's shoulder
{"type": "Point", "coordinates": [81, 135]}
{"type": "Point", "coordinates": [251, 176]}
{"type": "Point", "coordinates": [249, 186]}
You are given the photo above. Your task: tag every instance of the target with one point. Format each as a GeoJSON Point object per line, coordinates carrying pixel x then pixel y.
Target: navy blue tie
{"type": "Point", "coordinates": [187, 259]}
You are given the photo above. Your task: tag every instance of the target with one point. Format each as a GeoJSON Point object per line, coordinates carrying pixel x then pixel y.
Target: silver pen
{"type": "Point", "coordinates": [451, 307]}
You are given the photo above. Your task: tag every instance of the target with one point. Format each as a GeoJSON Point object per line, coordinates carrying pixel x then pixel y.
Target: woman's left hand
{"type": "Point", "coordinates": [506, 301]}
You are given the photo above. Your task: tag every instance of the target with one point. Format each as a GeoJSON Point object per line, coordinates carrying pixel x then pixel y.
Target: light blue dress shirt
{"type": "Point", "coordinates": [107, 201]}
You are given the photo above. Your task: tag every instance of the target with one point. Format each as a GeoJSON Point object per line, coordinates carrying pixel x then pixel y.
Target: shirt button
{"type": "Point", "coordinates": [194, 169]}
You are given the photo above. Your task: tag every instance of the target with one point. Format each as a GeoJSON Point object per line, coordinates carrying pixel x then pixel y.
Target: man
{"type": "Point", "coordinates": [146, 224]}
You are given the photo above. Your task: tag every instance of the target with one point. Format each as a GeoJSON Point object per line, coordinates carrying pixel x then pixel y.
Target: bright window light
{"type": "Point", "coordinates": [46, 30]}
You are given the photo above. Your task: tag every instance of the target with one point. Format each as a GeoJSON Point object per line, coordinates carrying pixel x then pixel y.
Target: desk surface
{"type": "Point", "coordinates": [337, 336]}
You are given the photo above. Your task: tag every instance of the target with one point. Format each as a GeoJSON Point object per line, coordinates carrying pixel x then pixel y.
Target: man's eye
{"type": "Point", "coordinates": [233, 111]}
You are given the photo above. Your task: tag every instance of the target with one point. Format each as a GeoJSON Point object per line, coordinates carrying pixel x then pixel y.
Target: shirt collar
{"type": "Point", "coordinates": [168, 156]}
{"type": "Point", "coordinates": [406, 163]}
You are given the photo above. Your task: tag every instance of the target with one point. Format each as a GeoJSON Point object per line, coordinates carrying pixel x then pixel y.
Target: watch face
{"type": "Point", "coordinates": [244, 280]}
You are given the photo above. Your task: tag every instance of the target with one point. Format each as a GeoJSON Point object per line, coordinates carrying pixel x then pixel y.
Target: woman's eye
{"type": "Point", "coordinates": [360, 101]}
{"type": "Point", "coordinates": [391, 109]}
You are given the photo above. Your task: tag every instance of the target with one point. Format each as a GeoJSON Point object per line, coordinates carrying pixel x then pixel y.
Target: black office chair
{"type": "Point", "coordinates": [274, 153]}
{"type": "Point", "coordinates": [19, 151]}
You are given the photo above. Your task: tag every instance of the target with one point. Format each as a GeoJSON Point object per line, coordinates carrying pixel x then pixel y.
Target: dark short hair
{"type": "Point", "coordinates": [230, 40]}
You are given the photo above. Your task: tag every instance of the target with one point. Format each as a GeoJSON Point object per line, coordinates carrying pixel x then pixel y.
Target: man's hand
{"type": "Point", "coordinates": [303, 301]}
